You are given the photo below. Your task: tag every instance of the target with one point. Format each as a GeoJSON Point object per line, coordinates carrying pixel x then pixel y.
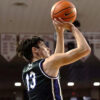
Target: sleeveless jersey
{"type": "Point", "coordinates": [39, 85]}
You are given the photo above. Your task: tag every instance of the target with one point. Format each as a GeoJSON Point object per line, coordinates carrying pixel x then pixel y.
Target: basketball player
{"type": "Point", "coordinates": [41, 75]}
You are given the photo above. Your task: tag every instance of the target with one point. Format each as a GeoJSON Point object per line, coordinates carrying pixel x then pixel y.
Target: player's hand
{"type": "Point", "coordinates": [58, 26]}
{"type": "Point", "coordinates": [67, 25]}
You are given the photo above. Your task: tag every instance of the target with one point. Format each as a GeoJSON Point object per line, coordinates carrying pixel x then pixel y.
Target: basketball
{"type": "Point", "coordinates": [65, 10]}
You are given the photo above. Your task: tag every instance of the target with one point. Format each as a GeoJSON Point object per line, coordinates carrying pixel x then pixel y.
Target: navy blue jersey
{"type": "Point", "coordinates": [39, 85]}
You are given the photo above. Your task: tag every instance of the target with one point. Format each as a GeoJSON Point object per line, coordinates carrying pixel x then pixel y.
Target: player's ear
{"type": "Point", "coordinates": [34, 50]}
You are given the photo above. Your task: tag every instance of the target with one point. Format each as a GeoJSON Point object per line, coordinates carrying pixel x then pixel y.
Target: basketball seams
{"type": "Point", "coordinates": [66, 14]}
{"type": "Point", "coordinates": [63, 10]}
{"type": "Point", "coordinates": [69, 17]}
{"type": "Point", "coordinates": [57, 5]}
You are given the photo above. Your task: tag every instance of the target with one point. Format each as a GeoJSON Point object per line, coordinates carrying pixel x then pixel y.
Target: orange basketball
{"type": "Point", "coordinates": [65, 10]}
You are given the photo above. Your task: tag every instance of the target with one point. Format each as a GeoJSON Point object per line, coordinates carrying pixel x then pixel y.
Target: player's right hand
{"type": "Point", "coordinates": [67, 25]}
{"type": "Point", "coordinates": [58, 26]}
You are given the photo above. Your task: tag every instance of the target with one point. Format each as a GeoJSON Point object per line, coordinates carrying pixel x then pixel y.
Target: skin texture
{"type": "Point", "coordinates": [53, 63]}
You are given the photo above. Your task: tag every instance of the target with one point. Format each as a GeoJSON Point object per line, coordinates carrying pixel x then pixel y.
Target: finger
{"type": "Point", "coordinates": [58, 21]}
{"type": "Point", "coordinates": [64, 21]}
{"type": "Point", "coordinates": [54, 19]}
{"type": "Point", "coordinates": [55, 23]}
{"type": "Point", "coordinates": [61, 20]}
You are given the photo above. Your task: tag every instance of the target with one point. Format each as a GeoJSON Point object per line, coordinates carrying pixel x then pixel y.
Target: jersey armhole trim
{"type": "Point", "coordinates": [41, 69]}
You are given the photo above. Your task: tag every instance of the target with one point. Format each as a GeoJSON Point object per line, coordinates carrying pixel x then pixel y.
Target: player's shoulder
{"type": "Point", "coordinates": [32, 65]}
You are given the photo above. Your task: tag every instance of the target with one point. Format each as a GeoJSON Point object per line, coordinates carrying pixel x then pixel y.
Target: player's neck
{"type": "Point", "coordinates": [36, 59]}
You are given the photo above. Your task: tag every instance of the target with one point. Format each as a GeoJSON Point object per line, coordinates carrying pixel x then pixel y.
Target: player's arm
{"type": "Point", "coordinates": [60, 36]}
{"type": "Point", "coordinates": [55, 61]}
{"type": "Point", "coordinates": [82, 49]}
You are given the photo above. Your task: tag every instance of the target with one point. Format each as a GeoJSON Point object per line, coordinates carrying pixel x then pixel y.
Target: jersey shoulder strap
{"type": "Point", "coordinates": [32, 66]}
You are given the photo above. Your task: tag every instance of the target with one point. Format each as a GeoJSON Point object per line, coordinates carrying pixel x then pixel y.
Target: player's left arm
{"type": "Point", "coordinates": [60, 37]}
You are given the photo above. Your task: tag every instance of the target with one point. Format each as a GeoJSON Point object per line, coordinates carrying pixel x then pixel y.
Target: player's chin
{"type": "Point", "coordinates": [46, 56]}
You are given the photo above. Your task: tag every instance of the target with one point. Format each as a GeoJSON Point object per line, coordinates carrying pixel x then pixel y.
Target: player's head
{"type": "Point", "coordinates": [34, 48]}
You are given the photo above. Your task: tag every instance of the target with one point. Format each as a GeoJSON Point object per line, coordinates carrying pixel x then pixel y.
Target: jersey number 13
{"type": "Point", "coordinates": [30, 80]}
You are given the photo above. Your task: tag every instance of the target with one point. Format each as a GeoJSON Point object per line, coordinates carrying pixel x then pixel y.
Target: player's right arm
{"type": "Point", "coordinates": [55, 61]}
{"type": "Point", "coordinates": [60, 36]}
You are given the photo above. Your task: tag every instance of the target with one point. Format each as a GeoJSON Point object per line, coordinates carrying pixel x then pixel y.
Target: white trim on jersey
{"type": "Point", "coordinates": [52, 85]}
{"type": "Point", "coordinates": [54, 96]}
{"type": "Point", "coordinates": [45, 73]}
{"type": "Point", "coordinates": [60, 89]}
{"type": "Point", "coordinates": [52, 82]}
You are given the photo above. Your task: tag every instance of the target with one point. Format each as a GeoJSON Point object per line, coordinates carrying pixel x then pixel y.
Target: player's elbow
{"type": "Point", "coordinates": [89, 50]}
{"type": "Point", "coordinates": [86, 51]}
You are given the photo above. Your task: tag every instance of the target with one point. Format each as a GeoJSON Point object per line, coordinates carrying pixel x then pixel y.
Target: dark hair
{"type": "Point", "coordinates": [24, 49]}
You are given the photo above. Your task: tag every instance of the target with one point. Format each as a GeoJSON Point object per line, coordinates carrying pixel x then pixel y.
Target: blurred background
{"type": "Point", "coordinates": [21, 19]}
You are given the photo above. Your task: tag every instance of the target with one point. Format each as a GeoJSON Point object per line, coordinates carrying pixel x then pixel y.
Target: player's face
{"type": "Point", "coordinates": [44, 51]}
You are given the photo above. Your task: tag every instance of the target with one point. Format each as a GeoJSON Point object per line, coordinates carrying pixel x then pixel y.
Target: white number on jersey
{"type": "Point", "coordinates": [30, 84]}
